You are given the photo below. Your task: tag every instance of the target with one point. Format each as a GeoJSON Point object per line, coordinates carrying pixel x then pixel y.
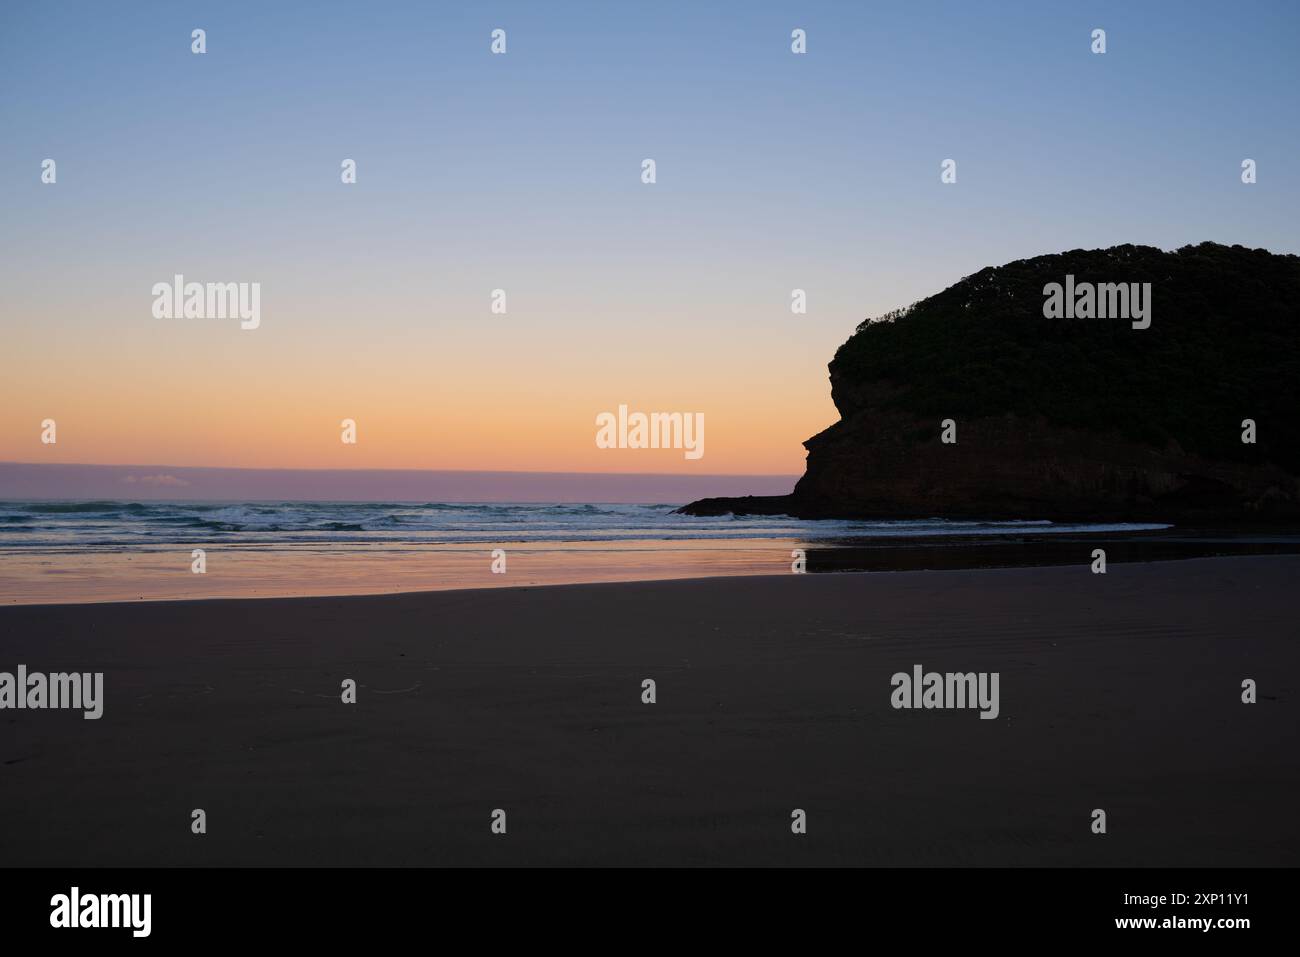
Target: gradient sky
{"type": "Point", "coordinates": [521, 171]}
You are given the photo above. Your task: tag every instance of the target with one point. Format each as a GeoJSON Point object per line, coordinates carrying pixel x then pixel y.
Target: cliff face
{"type": "Point", "coordinates": [1069, 418]}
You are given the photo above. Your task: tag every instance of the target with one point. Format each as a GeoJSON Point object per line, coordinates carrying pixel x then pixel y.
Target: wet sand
{"type": "Point", "coordinates": [242, 570]}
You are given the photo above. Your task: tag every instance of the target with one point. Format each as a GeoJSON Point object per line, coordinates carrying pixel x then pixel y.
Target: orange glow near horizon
{"type": "Point", "coordinates": [237, 401]}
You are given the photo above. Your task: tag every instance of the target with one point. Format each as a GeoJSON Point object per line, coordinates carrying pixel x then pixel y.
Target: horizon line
{"type": "Point", "coordinates": [284, 468]}
{"type": "Point", "coordinates": [73, 481]}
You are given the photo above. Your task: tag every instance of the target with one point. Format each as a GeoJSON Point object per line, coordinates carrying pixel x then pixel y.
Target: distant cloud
{"type": "Point", "coordinates": [156, 481]}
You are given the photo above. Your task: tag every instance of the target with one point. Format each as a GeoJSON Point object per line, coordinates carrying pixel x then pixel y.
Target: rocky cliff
{"type": "Point", "coordinates": [1080, 418]}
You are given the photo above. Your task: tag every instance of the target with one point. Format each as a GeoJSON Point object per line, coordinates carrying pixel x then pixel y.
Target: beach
{"type": "Point", "coordinates": [1120, 692]}
{"type": "Point", "coordinates": [54, 552]}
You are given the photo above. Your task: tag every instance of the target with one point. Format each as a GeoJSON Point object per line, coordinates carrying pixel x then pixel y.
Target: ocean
{"type": "Point", "coordinates": [59, 551]}
{"type": "Point", "coordinates": [125, 525]}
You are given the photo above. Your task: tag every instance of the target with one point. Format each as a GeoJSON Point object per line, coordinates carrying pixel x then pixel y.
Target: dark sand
{"type": "Point", "coordinates": [1119, 691]}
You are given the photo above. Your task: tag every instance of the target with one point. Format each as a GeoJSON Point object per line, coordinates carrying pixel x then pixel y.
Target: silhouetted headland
{"type": "Point", "coordinates": [1078, 418]}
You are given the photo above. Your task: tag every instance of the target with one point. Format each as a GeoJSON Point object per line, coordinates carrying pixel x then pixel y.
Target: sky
{"type": "Point", "coordinates": [522, 172]}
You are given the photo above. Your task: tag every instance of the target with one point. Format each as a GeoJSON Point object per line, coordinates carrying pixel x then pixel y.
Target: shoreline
{"type": "Point", "coordinates": [492, 589]}
{"type": "Point", "coordinates": [264, 572]}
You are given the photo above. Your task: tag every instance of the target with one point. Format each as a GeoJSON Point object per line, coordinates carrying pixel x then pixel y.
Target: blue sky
{"type": "Point", "coordinates": [775, 171]}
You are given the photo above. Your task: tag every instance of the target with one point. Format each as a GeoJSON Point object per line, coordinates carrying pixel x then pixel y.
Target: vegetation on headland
{"type": "Point", "coordinates": [1223, 346]}
{"type": "Point", "coordinates": [1092, 418]}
